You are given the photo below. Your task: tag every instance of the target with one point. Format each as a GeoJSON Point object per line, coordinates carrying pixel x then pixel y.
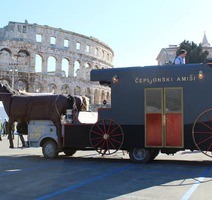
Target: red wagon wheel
{"type": "Point", "coordinates": [202, 132]}
{"type": "Point", "coordinates": [106, 136]}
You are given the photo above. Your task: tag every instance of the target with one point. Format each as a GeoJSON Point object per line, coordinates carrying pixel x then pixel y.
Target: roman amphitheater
{"type": "Point", "coordinates": [38, 58]}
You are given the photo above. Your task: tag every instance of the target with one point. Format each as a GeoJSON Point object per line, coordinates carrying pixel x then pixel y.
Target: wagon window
{"type": "Point", "coordinates": [173, 98]}
{"type": "Point", "coordinates": [153, 100]}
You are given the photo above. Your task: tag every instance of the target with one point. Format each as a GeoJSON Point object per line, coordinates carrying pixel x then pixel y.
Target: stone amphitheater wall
{"type": "Point", "coordinates": [40, 58]}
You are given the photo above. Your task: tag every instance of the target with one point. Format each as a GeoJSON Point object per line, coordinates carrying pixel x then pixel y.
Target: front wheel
{"type": "Point", "coordinates": [106, 137]}
{"type": "Point", "coordinates": [140, 155]}
{"type": "Point", "coordinates": [49, 149]}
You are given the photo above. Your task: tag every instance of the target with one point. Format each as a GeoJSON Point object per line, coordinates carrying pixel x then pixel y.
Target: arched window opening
{"type": "Point", "coordinates": [6, 51]}
{"type": "Point", "coordinates": [65, 89]}
{"type": "Point", "coordinates": [87, 65]}
{"type": "Point", "coordinates": [108, 98]}
{"type": "Point", "coordinates": [21, 85]}
{"type": "Point", "coordinates": [52, 88]}
{"type": "Point", "coordinates": [5, 56]}
{"type": "Point", "coordinates": [78, 46]}
{"type": "Point", "coordinates": [66, 43]}
{"type": "Point", "coordinates": [38, 63]}
{"type": "Point", "coordinates": [87, 71]}
{"type": "Point", "coordinates": [96, 51]}
{"type": "Point", "coordinates": [51, 65]}
{"type": "Point", "coordinates": [53, 40]}
{"type": "Point", "coordinates": [65, 65]}
{"type": "Point", "coordinates": [103, 54]}
{"type": "Point", "coordinates": [38, 38]}
{"type": "Point", "coordinates": [96, 96]}
{"type": "Point", "coordinates": [37, 87]}
{"type": "Point", "coordinates": [77, 90]}
{"type": "Point", "coordinates": [102, 96]}
{"type": "Point", "coordinates": [4, 82]}
{"type": "Point", "coordinates": [24, 29]}
{"type": "Point", "coordinates": [76, 68]}
{"type": "Point", "coordinates": [23, 58]}
{"type": "Point", "coordinates": [87, 92]}
{"type": "Point", "coordinates": [96, 67]}
{"type": "Point", "coordinates": [88, 48]}
{"type": "Point", "coordinates": [24, 53]}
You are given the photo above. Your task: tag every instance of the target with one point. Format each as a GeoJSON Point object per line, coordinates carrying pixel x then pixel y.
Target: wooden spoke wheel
{"type": "Point", "coordinates": [106, 136]}
{"type": "Point", "coordinates": [202, 132]}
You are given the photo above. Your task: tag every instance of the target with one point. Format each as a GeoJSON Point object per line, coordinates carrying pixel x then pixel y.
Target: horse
{"type": "Point", "coordinates": [23, 108]}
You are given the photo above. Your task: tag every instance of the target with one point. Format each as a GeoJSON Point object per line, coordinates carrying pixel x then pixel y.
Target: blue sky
{"type": "Point", "coordinates": [135, 29]}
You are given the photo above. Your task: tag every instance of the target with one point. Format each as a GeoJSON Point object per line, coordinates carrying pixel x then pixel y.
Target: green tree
{"type": "Point", "coordinates": [195, 53]}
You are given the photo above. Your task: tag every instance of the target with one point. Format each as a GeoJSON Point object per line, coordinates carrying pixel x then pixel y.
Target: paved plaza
{"type": "Point", "coordinates": [26, 174]}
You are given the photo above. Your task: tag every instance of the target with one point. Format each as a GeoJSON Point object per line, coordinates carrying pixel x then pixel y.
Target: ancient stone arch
{"type": "Point", "coordinates": [77, 90]}
{"type": "Point", "coordinates": [103, 96]}
{"type": "Point", "coordinates": [77, 68]}
{"type": "Point", "coordinates": [108, 97]}
{"type": "Point", "coordinates": [65, 67]}
{"type": "Point", "coordinates": [65, 89]}
{"type": "Point", "coordinates": [37, 87]}
{"type": "Point", "coordinates": [52, 88]}
{"type": "Point", "coordinates": [21, 85]}
{"type": "Point", "coordinates": [38, 66]}
{"type": "Point", "coordinates": [96, 96]}
{"type": "Point", "coordinates": [4, 81]}
{"type": "Point", "coordinates": [6, 50]}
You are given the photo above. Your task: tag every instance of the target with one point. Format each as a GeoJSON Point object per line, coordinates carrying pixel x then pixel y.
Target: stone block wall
{"type": "Point", "coordinates": [40, 58]}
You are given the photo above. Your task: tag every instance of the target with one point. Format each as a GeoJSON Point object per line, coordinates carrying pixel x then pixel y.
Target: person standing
{"type": "Point", "coordinates": [5, 127]}
{"type": "Point", "coordinates": [181, 58]}
{"type": "Point", "coordinates": [13, 130]}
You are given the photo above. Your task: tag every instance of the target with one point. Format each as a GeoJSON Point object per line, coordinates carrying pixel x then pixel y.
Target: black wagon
{"type": "Point", "coordinates": [153, 109]}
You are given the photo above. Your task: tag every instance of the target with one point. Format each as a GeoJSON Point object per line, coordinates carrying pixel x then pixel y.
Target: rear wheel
{"type": "Point", "coordinates": [49, 149]}
{"type": "Point", "coordinates": [140, 155]}
{"type": "Point", "coordinates": [70, 152]}
{"type": "Point", "coordinates": [202, 132]}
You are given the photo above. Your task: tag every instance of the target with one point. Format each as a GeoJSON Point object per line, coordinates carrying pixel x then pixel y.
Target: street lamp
{"type": "Point", "coordinates": [14, 69]}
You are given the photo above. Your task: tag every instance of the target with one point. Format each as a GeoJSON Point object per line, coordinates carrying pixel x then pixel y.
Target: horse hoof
{"type": "Point", "coordinates": [11, 147]}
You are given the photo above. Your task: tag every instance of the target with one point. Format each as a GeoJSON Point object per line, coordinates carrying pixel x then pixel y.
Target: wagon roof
{"type": "Point", "coordinates": [104, 76]}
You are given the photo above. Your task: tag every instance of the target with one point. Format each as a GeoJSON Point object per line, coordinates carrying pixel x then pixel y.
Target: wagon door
{"type": "Point", "coordinates": [154, 117]}
{"type": "Point", "coordinates": [164, 117]}
{"type": "Point", "coordinates": [173, 117]}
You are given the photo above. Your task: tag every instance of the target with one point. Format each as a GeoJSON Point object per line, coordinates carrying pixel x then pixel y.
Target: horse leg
{"type": "Point", "coordinates": [59, 134]}
{"type": "Point", "coordinates": [10, 134]}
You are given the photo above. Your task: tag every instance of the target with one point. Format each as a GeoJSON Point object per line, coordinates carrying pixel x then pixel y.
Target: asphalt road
{"type": "Point", "coordinates": [25, 174]}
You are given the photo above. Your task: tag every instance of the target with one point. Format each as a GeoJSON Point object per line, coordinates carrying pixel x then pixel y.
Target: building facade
{"type": "Point", "coordinates": [167, 55]}
{"type": "Point", "coordinates": [38, 58]}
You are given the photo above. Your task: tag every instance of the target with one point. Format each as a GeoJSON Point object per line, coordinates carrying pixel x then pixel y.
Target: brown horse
{"type": "Point", "coordinates": [45, 107]}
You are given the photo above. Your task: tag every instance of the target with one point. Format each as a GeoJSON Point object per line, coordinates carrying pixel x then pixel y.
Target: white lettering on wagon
{"type": "Point", "coordinates": [190, 78]}
{"type": "Point", "coordinates": [187, 78]}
